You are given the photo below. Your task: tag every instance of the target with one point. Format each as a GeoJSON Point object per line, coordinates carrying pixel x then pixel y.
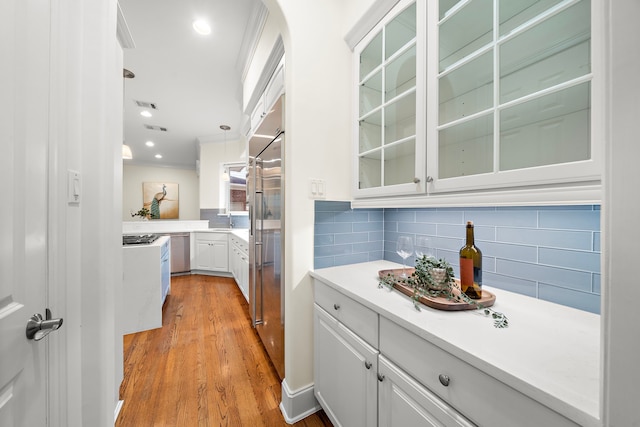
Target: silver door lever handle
{"type": "Point", "coordinates": [38, 327]}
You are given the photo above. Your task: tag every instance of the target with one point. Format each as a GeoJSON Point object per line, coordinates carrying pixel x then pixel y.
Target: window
{"type": "Point", "coordinates": [235, 188]}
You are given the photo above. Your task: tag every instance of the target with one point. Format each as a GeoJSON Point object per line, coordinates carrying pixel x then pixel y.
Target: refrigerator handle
{"type": "Point", "coordinates": [251, 225]}
{"type": "Point", "coordinates": [259, 215]}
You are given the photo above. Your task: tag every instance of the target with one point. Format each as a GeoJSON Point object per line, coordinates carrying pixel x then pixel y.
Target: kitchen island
{"type": "Point", "coordinates": [548, 357]}
{"type": "Point", "coordinates": [146, 283]}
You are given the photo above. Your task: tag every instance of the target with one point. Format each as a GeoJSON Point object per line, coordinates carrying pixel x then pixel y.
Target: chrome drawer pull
{"type": "Point", "coordinates": [444, 379]}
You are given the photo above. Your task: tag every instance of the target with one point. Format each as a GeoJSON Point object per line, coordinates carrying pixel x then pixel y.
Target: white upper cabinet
{"type": "Point", "coordinates": [515, 94]}
{"type": "Point", "coordinates": [390, 126]}
{"type": "Point", "coordinates": [510, 98]}
{"type": "Point", "coordinates": [273, 90]}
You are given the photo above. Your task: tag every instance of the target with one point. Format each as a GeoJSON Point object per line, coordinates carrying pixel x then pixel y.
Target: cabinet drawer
{"type": "Point", "coordinates": [212, 237]}
{"type": "Point", "coordinates": [404, 402]}
{"type": "Point", "coordinates": [240, 244]}
{"type": "Point", "coordinates": [357, 317]}
{"type": "Point", "coordinates": [480, 397]}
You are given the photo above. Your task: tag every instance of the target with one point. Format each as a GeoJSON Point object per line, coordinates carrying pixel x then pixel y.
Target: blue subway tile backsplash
{"type": "Point", "coordinates": [219, 219]}
{"type": "Point", "coordinates": [546, 252]}
{"type": "Point", "coordinates": [346, 236]}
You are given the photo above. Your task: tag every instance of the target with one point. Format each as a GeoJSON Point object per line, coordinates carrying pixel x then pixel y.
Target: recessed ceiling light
{"type": "Point", "coordinates": [158, 156]}
{"type": "Point", "coordinates": [149, 144]}
{"type": "Point", "coordinates": [145, 113]}
{"type": "Point", "coordinates": [201, 27]}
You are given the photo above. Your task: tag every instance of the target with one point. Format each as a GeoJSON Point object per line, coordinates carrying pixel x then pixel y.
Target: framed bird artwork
{"type": "Point", "coordinates": [162, 199]}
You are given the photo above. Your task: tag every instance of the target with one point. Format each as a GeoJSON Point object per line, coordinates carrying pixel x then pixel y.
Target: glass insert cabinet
{"type": "Point", "coordinates": [390, 64]}
{"type": "Point", "coordinates": [478, 94]}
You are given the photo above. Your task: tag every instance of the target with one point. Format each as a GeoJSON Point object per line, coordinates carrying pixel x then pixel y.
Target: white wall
{"type": "Point", "coordinates": [621, 233]}
{"type": "Point", "coordinates": [318, 145]}
{"type": "Point", "coordinates": [85, 265]}
{"type": "Point", "coordinates": [188, 189]}
{"type": "Point", "coordinates": [212, 156]}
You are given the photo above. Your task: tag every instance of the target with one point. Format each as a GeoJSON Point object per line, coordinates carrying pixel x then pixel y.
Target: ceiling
{"type": "Point", "coordinates": [194, 81]}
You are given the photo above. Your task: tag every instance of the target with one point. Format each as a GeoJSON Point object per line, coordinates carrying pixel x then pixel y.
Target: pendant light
{"type": "Point", "coordinates": [126, 150]}
{"type": "Point", "coordinates": [225, 173]}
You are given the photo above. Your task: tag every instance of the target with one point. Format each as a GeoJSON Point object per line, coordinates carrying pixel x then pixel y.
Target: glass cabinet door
{"type": "Point", "coordinates": [388, 105]}
{"type": "Point", "coordinates": [514, 88]}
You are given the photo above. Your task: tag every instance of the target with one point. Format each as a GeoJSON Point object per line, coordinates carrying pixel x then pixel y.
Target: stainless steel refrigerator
{"type": "Point", "coordinates": [265, 193]}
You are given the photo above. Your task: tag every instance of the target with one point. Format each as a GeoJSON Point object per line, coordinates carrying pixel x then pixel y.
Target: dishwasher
{"type": "Point", "coordinates": [180, 253]}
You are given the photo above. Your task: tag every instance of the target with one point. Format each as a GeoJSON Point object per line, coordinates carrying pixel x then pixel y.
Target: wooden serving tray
{"type": "Point", "coordinates": [439, 303]}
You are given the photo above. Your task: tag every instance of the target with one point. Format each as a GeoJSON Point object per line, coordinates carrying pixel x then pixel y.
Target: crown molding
{"type": "Point", "coordinates": [122, 31]}
{"type": "Point", "coordinates": [250, 39]}
{"type": "Point", "coordinates": [369, 19]}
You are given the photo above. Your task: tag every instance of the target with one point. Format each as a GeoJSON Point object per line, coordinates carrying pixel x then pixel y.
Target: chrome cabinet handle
{"type": "Point", "coordinates": [444, 379]}
{"type": "Point", "coordinates": [38, 328]}
{"type": "Point", "coordinates": [367, 364]}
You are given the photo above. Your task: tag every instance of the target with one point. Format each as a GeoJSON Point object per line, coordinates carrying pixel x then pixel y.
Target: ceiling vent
{"type": "Point", "coordinates": [159, 128]}
{"type": "Point", "coordinates": [144, 104]}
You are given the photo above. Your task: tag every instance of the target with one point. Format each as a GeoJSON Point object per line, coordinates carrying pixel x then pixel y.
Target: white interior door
{"type": "Point", "coordinates": [24, 132]}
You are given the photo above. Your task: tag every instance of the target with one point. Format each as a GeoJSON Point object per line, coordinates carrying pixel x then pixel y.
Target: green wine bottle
{"type": "Point", "coordinates": [471, 266]}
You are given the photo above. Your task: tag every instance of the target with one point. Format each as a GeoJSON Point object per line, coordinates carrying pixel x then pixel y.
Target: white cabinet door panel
{"type": "Point", "coordinates": [204, 255]}
{"type": "Point", "coordinates": [220, 256]}
{"type": "Point", "coordinates": [345, 373]}
{"type": "Point", "coordinates": [404, 402]}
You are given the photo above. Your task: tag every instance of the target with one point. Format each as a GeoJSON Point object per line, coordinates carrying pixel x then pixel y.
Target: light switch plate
{"type": "Point", "coordinates": [317, 189]}
{"type": "Point", "coordinates": [74, 187]}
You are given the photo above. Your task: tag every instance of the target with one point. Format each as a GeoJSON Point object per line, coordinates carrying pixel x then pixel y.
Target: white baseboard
{"type": "Point", "coordinates": [298, 404]}
{"type": "Point", "coordinates": [211, 273]}
{"type": "Point", "coordinates": [116, 412]}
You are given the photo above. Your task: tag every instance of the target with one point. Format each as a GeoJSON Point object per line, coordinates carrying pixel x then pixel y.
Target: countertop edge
{"type": "Point", "coordinates": [242, 233]}
{"type": "Point", "coordinates": [155, 244]}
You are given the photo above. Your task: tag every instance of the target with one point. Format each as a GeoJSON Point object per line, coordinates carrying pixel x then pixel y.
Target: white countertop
{"type": "Point", "coordinates": [177, 226]}
{"type": "Point", "coordinates": [242, 233]}
{"type": "Point", "coordinates": [549, 352]}
{"type": "Point", "coordinates": [163, 226]}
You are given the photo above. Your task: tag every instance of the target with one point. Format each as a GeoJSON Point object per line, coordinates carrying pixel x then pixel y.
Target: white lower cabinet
{"type": "Point", "coordinates": [354, 383]}
{"type": "Point", "coordinates": [370, 371]}
{"type": "Point", "coordinates": [345, 373]}
{"type": "Point", "coordinates": [239, 263]}
{"type": "Point", "coordinates": [244, 276]}
{"type": "Point", "coordinates": [405, 402]}
{"type": "Point", "coordinates": [483, 399]}
{"type": "Point", "coordinates": [212, 252]}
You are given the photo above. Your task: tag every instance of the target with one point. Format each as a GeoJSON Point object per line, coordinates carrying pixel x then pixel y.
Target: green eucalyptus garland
{"type": "Point", "coordinates": [425, 284]}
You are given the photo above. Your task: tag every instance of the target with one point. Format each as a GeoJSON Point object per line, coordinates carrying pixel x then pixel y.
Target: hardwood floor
{"type": "Point", "coordinates": [204, 367]}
